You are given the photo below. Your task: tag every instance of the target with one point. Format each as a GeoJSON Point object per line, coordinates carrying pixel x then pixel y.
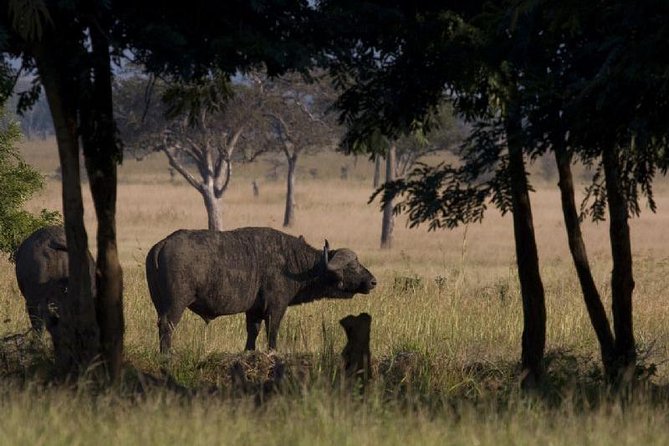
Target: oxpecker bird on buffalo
{"type": "Point", "coordinates": [256, 271]}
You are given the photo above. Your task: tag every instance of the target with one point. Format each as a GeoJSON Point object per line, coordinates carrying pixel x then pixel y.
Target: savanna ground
{"type": "Point", "coordinates": [445, 348]}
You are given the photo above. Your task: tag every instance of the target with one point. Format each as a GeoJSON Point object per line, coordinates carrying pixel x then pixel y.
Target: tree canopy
{"type": "Point", "coordinates": [71, 46]}
{"type": "Point", "coordinates": [583, 79]}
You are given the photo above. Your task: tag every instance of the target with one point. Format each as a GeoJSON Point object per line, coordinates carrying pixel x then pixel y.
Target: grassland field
{"type": "Point", "coordinates": [446, 349]}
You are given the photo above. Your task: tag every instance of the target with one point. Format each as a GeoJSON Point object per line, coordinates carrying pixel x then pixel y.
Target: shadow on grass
{"type": "Point", "coordinates": [408, 379]}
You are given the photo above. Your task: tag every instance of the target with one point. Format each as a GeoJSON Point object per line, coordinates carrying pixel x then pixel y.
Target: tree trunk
{"type": "Point", "coordinates": [531, 287]}
{"type": "Point", "coordinates": [77, 341]}
{"type": "Point", "coordinates": [388, 217]}
{"type": "Point", "coordinates": [214, 209]}
{"type": "Point", "coordinates": [593, 302]}
{"type": "Point", "coordinates": [622, 279]}
{"type": "Point", "coordinates": [377, 171]}
{"type": "Point", "coordinates": [102, 154]}
{"type": "Point", "coordinates": [289, 214]}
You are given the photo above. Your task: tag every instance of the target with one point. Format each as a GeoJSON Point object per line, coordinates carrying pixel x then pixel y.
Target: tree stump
{"type": "Point", "coordinates": [356, 354]}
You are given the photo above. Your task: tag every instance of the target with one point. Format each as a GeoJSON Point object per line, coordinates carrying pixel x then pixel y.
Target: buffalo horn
{"type": "Point", "coordinates": [326, 248]}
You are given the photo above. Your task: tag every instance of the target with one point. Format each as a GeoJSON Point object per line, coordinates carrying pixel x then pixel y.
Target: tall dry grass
{"type": "Point", "coordinates": [461, 325]}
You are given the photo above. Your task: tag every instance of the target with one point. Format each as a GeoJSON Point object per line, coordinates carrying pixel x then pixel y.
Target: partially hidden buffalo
{"type": "Point", "coordinates": [42, 275]}
{"type": "Point", "coordinates": [257, 271]}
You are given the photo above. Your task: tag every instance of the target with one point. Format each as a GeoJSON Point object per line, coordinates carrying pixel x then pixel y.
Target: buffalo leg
{"type": "Point", "coordinates": [253, 322]}
{"type": "Point", "coordinates": [272, 322]}
{"type": "Point", "coordinates": [166, 325]}
{"type": "Point", "coordinates": [36, 319]}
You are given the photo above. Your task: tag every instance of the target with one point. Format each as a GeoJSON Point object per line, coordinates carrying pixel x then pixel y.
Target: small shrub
{"type": "Point", "coordinates": [18, 183]}
{"type": "Point", "coordinates": [408, 284]}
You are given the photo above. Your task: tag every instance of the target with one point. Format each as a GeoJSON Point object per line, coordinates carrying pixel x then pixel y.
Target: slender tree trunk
{"type": "Point", "coordinates": [214, 207]}
{"type": "Point", "coordinates": [76, 343]}
{"type": "Point", "coordinates": [102, 154]}
{"type": "Point", "coordinates": [289, 214]}
{"type": "Point", "coordinates": [388, 221]}
{"type": "Point", "coordinates": [109, 276]}
{"type": "Point", "coordinates": [377, 171]}
{"type": "Point", "coordinates": [622, 279]}
{"type": "Point", "coordinates": [593, 302]}
{"type": "Point", "coordinates": [532, 290]}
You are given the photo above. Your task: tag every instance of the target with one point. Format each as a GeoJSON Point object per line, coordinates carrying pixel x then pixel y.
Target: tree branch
{"type": "Point", "coordinates": [255, 155]}
{"type": "Point", "coordinates": [197, 153]}
{"type": "Point", "coordinates": [284, 133]}
{"type": "Point", "coordinates": [309, 114]}
{"type": "Point", "coordinates": [218, 191]}
{"type": "Point", "coordinates": [181, 168]}
{"type": "Point", "coordinates": [234, 139]}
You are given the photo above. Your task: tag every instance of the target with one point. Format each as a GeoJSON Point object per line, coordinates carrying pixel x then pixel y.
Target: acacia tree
{"type": "Point", "coordinates": [388, 219]}
{"type": "Point", "coordinates": [569, 72]}
{"type": "Point", "coordinates": [403, 154]}
{"type": "Point", "coordinates": [617, 85]}
{"type": "Point", "coordinates": [298, 112]}
{"type": "Point", "coordinates": [376, 180]}
{"type": "Point", "coordinates": [49, 39]}
{"type": "Point", "coordinates": [538, 75]}
{"type": "Point", "coordinates": [395, 70]}
{"type": "Point", "coordinates": [203, 128]}
{"type": "Point", "coordinates": [70, 45]}
{"type": "Point", "coordinates": [550, 69]}
{"type": "Point", "coordinates": [445, 135]}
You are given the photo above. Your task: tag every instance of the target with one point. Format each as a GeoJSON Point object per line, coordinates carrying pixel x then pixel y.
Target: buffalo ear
{"type": "Point", "coordinates": [340, 259]}
{"type": "Point", "coordinates": [301, 238]}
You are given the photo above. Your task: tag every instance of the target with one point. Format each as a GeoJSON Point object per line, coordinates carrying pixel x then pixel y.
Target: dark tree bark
{"type": "Point", "coordinates": [77, 343]}
{"type": "Point", "coordinates": [289, 214]}
{"type": "Point", "coordinates": [102, 154]}
{"type": "Point", "coordinates": [532, 290]}
{"type": "Point", "coordinates": [388, 221]}
{"type": "Point", "coordinates": [593, 301]}
{"type": "Point", "coordinates": [622, 279]}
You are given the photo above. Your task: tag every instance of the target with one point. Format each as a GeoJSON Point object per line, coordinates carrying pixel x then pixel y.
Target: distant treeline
{"type": "Point", "coordinates": [35, 122]}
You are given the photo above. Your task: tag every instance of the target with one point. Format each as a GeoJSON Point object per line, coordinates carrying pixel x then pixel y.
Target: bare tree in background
{"type": "Point", "coordinates": [298, 118]}
{"type": "Point", "coordinates": [446, 136]}
{"type": "Point", "coordinates": [202, 129]}
{"type": "Point", "coordinates": [376, 182]}
{"type": "Point", "coordinates": [388, 221]}
{"type": "Point", "coordinates": [404, 153]}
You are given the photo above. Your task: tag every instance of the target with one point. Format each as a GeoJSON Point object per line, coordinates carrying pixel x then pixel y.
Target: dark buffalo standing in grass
{"type": "Point", "coordinates": [42, 275]}
{"type": "Point", "coordinates": [257, 271]}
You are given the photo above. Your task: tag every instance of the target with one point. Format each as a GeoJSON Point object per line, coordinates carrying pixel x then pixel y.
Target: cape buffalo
{"type": "Point", "coordinates": [42, 274]}
{"type": "Point", "coordinates": [257, 271]}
